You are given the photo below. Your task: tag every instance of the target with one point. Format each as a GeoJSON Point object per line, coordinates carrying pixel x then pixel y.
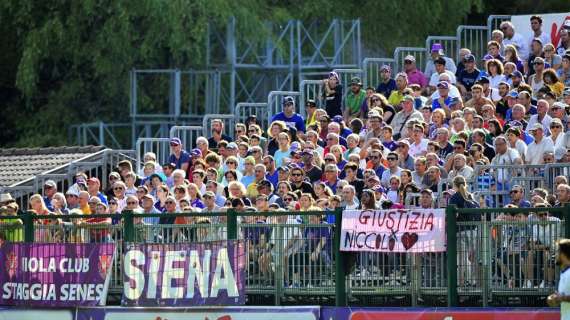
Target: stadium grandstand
{"type": "Point", "coordinates": [278, 149]}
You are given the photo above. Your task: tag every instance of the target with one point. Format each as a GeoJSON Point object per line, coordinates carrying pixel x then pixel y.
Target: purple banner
{"type": "Point", "coordinates": [55, 275]}
{"type": "Point", "coordinates": [184, 274]}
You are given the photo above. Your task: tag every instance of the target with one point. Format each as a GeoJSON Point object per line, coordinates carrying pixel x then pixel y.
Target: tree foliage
{"type": "Point", "coordinates": [67, 61]}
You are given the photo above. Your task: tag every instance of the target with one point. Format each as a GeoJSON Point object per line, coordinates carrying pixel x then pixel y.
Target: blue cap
{"type": "Point", "coordinates": [513, 94]}
{"type": "Point", "coordinates": [338, 119]}
{"type": "Point", "coordinates": [288, 99]}
{"type": "Point", "coordinates": [517, 74]}
{"type": "Point", "coordinates": [175, 141]}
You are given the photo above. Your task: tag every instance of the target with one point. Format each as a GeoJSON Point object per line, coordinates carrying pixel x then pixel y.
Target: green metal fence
{"type": "Point", "coordinates": [505, 255]}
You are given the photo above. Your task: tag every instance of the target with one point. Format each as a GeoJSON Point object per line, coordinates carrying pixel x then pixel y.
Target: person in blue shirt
{"type": "Point", "coordinates": [444, 102]}
{"type": "Point", "coordinates": [467, 77]}
{"type": "Point", "coordinates": [289, 116]}
{"type": "Point", "coordinates": [178, 156]}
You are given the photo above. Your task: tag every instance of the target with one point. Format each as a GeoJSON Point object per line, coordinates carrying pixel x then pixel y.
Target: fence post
{"type": "Point", "coordinates": [28, 220]}
{"type": "Point", "coordinates": [451, 233]}
{"type": "Point", "coordinates": [566, 216]}
{"type": "Point", "coordinates": [340, 265]}
{"type": "Point", "coordinates": [232, 225]}
{"type": "Point", "coordinates": [129, 226]}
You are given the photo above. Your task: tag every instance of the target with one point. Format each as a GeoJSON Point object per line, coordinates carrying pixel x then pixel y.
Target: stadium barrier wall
{"type": "Point", "coordinates": [497, 258]}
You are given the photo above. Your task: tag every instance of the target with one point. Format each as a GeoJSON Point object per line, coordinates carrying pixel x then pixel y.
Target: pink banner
{"type": "Point", "coordinates": [405, 230]}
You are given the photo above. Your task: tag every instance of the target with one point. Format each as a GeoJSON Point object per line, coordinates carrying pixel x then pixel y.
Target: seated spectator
{"type": "Point", "coordinates": [289, 116]}
{"type": "Point", "coordinates": [218, 134]}
{"type": "Point", "coordinates": [415, 76]}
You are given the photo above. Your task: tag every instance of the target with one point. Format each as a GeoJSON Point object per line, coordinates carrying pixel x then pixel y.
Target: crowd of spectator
{"type": "Point", "coordinates": [416, 133]}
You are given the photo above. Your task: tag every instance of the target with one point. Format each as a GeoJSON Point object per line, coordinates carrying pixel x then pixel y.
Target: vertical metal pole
{"type": "Point", "coordinates": [566, 217]}
{"type": "Point", "coordinates": [232, 224]}
{"type": "Point", "coordinates": [28, 219]}
{"type": "Point", "coordinates": [451, 232]}
{"type": "Point", "coordinates": [340, 263]}
{"type": "Point", "coordinates": [176, 89]}
{"type": "Point", "coordinates": [101, 133]}
{"type": "Point", "coordinates": [128, 226]}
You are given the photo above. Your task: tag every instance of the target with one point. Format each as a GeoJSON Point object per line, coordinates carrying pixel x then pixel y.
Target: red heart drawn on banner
{"type": "Point", "coordinates": [409, 239]}
{"type": "Point", "coordinates": [555, 32]}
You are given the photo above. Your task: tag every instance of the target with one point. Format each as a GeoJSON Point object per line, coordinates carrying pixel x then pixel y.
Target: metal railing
{"type": "Point", "coordinates": [245, 109]}
{"type": "Point", "coordinates": [98, 164]}
{"type": "Point", "coordinates": [187, 134]}
{"type": "Point", "coordinates": [371, 68]}
{"type": "Point", "coordinates": [160, 147]}
{"type": "Point", "coordinates": [310, 89]}
{"type": "Point", "coordinates": [491, 253]}
{"type": "Point", "coordinates": [419, 53]}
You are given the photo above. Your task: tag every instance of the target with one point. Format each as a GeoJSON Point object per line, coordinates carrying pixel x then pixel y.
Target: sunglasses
{"type": "Point", "coordinates": [555, 127]}
{"type": "Point", "coordinates": [514, 191]}
{"type": "Point", "coordinates": [296, 174]}
{"type": "Point", "coordinates": [288, 199]}
{"type": "Point", "coordinates": [119, 188]}
{"type": "Point", "coordinates": [332, 160]}
{"type": "Point", "coordinates": [112, 203]}
{"type": "Point", "coordinates": [132, 202]}
{"type": "Point", "coordinates": [231, 162]}
{"type": "Point", "coordinates": [169, 202]}
{"type": "Point", "coordinates": [392, 159]}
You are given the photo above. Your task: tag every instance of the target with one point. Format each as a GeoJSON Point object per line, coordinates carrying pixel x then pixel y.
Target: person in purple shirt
{"type": "Point", "coordinates": [178, 156]}
{"type": "Point", "coordinates": [415, 76]}
{"type": "Point", "coordinates": [288, 115]}
{"type": "Point", "coordinates": [387, 84]}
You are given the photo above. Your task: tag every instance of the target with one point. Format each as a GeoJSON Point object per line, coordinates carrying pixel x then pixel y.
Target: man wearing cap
{"type": "Point", "coordinates": [407, 113]}
{"type": "Point", "coordinates": [467, 77]}
{"type": "Point", "coordinates": [93, 187]}
{"type": "Point", "coordinates": [541, 116]}
{"type": "Point", "coordinates": [333, 95]}
{"type": "Point", "coordinates": [537, 33]}
{"type": "Point", "coordinates": [515, 39]}
{"type": "Point", "coordinates": [445, 102]}
{"type": "Point", "coordinates": [354, 100]}
{"type": "Point", "coordinates": [387, 84]}
{"type": "Point", "coordinates": [312, 172]}
{"type": "Point", "coordinates": [515, 78]}
{"type": "Point", "coordinates": [477, 99]}
{"type": "Point", "coordinates": [289, 116]}
{"type": "Point", "coordinates": [415, 76]}
{"type": "Point", "coordinates": [178, 156]}
{"type": "Point", "coordinates": [440, 68]}
{"type": "Point", "coordinates": [50, 188]}
{"type": "Point", "coordinates": [437, 52]}
{"type": "Point", "coordinates": [539, 146]}
{"type": "Point", "coordinates": [558, 111]}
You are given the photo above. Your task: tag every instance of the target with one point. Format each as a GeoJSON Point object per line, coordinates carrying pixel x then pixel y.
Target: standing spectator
{"type": "Point", "coordinates": [436, 52]}
{"type": "Point", "coordinates": [514, 39]}
{"type": "Point", "coordinates": [415, 76]}
{"type": "Point", "coordinates": [333, 92]}
{"type": "Point", "coordinates": [535, 52]}
{"type": "Point", "coordinates": [178, 156]}
{"type": "Point", "coordinates": [289, 116]}
{"type": "Point", "coordinates": [387, 84]}
{"type": "Point", "coordinates": [354, 100]}
{"type": "Point", "coordinates": [536, 26]}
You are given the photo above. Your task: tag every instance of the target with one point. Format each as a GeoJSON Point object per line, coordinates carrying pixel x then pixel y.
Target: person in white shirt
{"type": "Point", "coordinates": [349, 200]}
{"type": "Point", "coordinates": [440, 68]}
{"type": "Point", "coordinates": [541, 117]}
{"type": "Point", "coordinates": [539, 146]}
{"type": "Point", "coordinates": [562, 296]}
{"type": "Point", "coordinates": [516, 39]}
{"type": "Point", "coordinates": [536, 26]}
{"type": "Point", "coordinates": [419, 144]}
